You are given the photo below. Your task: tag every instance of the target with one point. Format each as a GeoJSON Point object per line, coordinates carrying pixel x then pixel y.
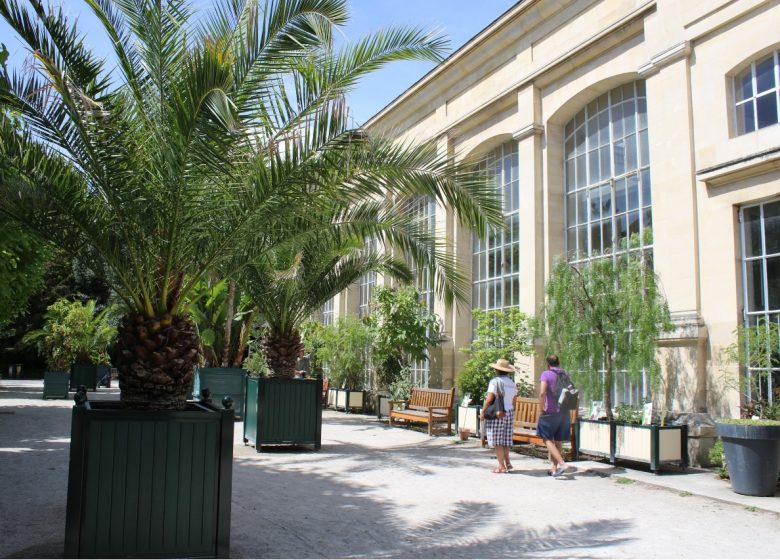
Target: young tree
{"type": "Point", "coordinates": [605, 315]}
{"type": "Point", "coordinates": [402, 330]}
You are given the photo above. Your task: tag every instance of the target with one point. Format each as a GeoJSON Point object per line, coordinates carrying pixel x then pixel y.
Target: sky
{"type": "Point", "coordinates": [459, 20]}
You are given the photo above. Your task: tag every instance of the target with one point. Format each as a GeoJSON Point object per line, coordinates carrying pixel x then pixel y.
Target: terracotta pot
{"type": "Point", "coordinates": [464, 433]}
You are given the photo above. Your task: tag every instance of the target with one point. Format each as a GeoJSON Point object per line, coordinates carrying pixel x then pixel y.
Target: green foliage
{"type": "Point", "coordinates": [209, 309]}
{"type": "Point", "coordinates": [499, 334]}
{"type": "Point", "coordinates": [401, 387]}
{"type": "Point", "coordinates": [750, 421]}
{"type": "Point", "coordinates": [22, 267]}
{"type": "Point", "coordinates": [255, 364]}
{"type": "Point", "coordinates": [525, 389]}
{"type": "Point", "coordinates": [718, 458]}
{"type": "Point", "coordinates": [311, 336]}
{"type": "Point", "coordinates": [606, 314]}
{"type": "Point", "coordinates": [402, 331]}
{"type": "Point", "coordinates": [74, 333]}
{"type": "Point", "coordinates": [757, 346]}
{"type": "Point", "coordinates": [629, 414]}
{"type": "Point", "coordinates": [343, 349]}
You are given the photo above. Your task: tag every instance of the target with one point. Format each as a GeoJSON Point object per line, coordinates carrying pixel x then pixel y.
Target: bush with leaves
{"type": "Point", "coordinates": [718, 458]}
{"type": "Point", "coordinates": [401, 388]}
{"type": "Point", "coordinates": [628, 413]}
{"type": "Point", "coordinates": [499, 334]}
{"type": "Point", "coordinates": [74, 333]}
{"type": "Point", "coordinates": [402, 330]}
{"type": "Point", "coordinates": [311, 336]}
{"type": "Point", "coordinates": [605, 315]}
{"type": "Point", "coordinates": [343, 350]}
{"type": "Point", "coordinates": [22, 267]}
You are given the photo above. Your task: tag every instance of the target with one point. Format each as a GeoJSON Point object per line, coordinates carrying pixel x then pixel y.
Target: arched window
{"type": "Point", "coordinates": [607, 174]}
{"type": "Point", "coordinates": [757, 94]}
{"type": "Point", "coordinates": [496, 260]}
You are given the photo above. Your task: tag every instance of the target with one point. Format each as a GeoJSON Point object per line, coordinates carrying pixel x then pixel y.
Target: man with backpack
{"type": "Point", "coordinates": [557, 396]}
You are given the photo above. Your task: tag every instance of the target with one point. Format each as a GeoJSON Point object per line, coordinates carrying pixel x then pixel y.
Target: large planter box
{"type": "Point", "coordinates": [468, 417]}
{"type": "Point", "coordinates": [752, 457]}
{"type": "Point", "coordinates": [382, 408]}
{"type": "Point", "coordinates": [655, 445]}
{"type": "Point", "coordinates": [283, 411]}
{"type": "Point", "coordinates": [347, 400]}
{"type": "Point", "coordinates": [594, 437]}
{"type": "Point", "coordinates": [222, 382]}
{"type": "Point", "coordinates": [55, 384]}
{"type": "Point", "coordinates": [149, 484]}
{"type": "Point", "coordinates": [84, 374]}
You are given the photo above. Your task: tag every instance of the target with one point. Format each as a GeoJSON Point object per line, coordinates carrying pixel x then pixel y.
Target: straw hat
{"type": "Point", "coordinates": [503, 365]}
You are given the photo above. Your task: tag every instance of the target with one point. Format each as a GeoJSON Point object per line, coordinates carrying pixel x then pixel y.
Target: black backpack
{"type": "Point", "coordinates": [565, 393]}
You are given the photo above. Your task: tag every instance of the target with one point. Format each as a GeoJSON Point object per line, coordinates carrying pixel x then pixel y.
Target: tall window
{"type": "Point", "coordinates": [607, 178]}
{"type": "Point", "coordinates": [424, 211]}
{"type": "Point", "coordinates": [367, 285]}
{"type": "Point", "coordinates": [761, 284]}
{"type": "Point", "coordinates": [496, 260]}
{"type": "Point", "coordinates": [607, 174]}
{"type": "Point", "coordinates": [757, 94]}
{"type": "Point", "coordinates": [327, 312]}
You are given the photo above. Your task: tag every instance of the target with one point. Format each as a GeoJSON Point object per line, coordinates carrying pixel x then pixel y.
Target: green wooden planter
{"type": "Point", "coordinates": [283, 411]}
{"type": "Point", "coordinates": [222, 382]}
{"type": "Point", "coordinates": [149, 483]}
{"type": "Point", "coordinates": [55, 384]}
{"type": "Point", "coordinates": [84, 374]}
{"type": "Point", "coordinates": [655, 445]}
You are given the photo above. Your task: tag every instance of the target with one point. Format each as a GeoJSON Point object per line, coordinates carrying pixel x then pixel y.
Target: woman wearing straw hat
{"type": "Point", "coordinates": [499, 430]}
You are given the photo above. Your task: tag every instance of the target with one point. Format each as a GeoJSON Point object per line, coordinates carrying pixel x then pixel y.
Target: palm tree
{"type": "Point", "coordinates": [213, 138]}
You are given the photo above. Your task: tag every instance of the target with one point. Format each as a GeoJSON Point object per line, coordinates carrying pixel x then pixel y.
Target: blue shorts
{"type": "Point", "coordinates": [555, 426]}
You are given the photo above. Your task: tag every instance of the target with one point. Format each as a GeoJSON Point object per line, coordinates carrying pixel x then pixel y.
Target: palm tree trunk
{"type": "Point", "coordinates": [243, 336]}
{"type": "Point", "coordinates": [281, 353]}
{"type": "Point", "coordinates": [156, 359]}
{"type": "Point", "coordinates": [226, 342]}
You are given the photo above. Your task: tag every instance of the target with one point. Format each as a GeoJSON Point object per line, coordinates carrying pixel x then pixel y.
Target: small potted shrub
{"type": "Point", "coordinates": [751, 444]}
{"type": "Point", "coordinates": [343, 350]}
{"type": "Point", "coordinates": [637, 438]}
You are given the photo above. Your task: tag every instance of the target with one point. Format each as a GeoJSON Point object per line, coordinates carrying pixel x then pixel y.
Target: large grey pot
{"type": "Point", "coordinates": [752, 456]}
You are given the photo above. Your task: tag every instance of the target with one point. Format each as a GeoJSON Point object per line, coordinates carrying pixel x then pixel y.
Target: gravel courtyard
{"type": "Point", "coordinates": [375, 491]}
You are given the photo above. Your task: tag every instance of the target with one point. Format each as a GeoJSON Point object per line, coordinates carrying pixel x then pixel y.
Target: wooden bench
{"type": "Point", "coordinates": [524, 429]}
{"type": "Point", "coordinates": [426, 406]}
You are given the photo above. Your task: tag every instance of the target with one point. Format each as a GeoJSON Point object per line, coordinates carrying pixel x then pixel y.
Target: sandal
{"type": "Point", "coordinates": [509, 467]}
{"type": "Point", "coordinates": [498, 470]}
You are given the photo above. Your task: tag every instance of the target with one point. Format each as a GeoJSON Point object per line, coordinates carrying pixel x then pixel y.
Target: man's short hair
{"type": "Point", "coordinates": [552, 360]}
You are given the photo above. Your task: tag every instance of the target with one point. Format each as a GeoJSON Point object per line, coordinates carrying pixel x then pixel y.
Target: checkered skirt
{"type": "Point", "coordinates": [499, 430]}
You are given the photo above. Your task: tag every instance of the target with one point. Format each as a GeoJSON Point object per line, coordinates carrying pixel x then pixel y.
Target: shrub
{"type": "Point", "coordinates": [401, 388]}
{"type": "Point", "coordinates": [343, 350]}
{"type": "Point", "coordinates": [718, 458]}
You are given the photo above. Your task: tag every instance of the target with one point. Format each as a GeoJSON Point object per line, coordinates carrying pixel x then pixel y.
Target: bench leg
{"type": "Point", "coordinates": [430, 428]}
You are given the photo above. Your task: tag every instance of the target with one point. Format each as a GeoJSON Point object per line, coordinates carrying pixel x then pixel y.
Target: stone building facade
{"type": "Point", "coordinates": [604, 118]}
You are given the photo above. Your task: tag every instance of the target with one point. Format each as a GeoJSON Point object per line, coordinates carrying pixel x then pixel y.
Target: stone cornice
{"type": "Point", "coordinates": [529, 130]}
{"type": "Point", "coordinates": [673, 53]}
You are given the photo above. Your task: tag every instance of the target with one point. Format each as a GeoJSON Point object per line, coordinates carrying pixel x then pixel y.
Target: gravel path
{"type": "Point", "coordinates": [375, 491]}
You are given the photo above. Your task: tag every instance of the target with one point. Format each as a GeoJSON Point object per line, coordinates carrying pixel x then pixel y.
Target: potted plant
{"type": "Point", "coordinates": [402, 331]}
{"type": "Point", "coordinates": [605, 316]}
{"type": "Point", "coordinates": [192, 154]}
{"type": "Point", "coordinates": [498, 334]}
{"type": "Point", "coordinates": [224, 318]}
{"type": "Point", "coordinates": [636, 437]}
{"type": "Point", "coordinates": [344, 352]}
{"type": "Point", "coordinates": [751, 444]}
{"type": "Point", "coordinates": [73, 336]}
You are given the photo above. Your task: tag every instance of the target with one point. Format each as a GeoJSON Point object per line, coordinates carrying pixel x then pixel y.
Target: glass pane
{"type": "Point", "coordinates": [569, 129]}
{"type": "Point", "coordinates": [579, 140]}
{"type": "Point", "coordinates": [593, 167]}
{"type": "Point", "coordinates": [515, 290]}
{"type": "Point", "coordinates": [516, 257]}
{"type": "Point", "coordinates": [640, 88]}
{"type": "Point", "coordinates": [641, 113]}
{"type": "Point", "coordinates": [773, 283]}
{"type": "Point", "coordinates": [620, 196]}
{"type": "Point", "coordinates": [772, 227]}
{"type": "Point", "coordinates": [647, 197]}
{"type": "Point", "coordinates": [619, 158]}
{"type": "Point", "coordinates": [603, 128]}
{"type": "Point", "coordinates": [647, 218]}
{"type": "Point", "coordinates": [628, 91]}
{"type": "Point", "coordinates": [744, 83]}
{"type": "Point", "coordinates": [606, 201]}
{"type": "Point", "coordinates": [644, 149]}
{"type": "Point", "coordinates": [629, 120]}
{"type": "Point", "coordinates": [507, 198]}
{"type": "Point", "coordinates": [633, 223]}
{"type": "Point", "coordinates": [606, 235]}
{"type": "Point", "coordinates": [595, 205]}
{"type": "Point", "coordinates": [621, 230]}
{"type": "Point", "coordinates": [514, 222]}
{"type": "Point", "coordinates": [752, 217]}
{"type": "Point", "coordinates": [571, 209]}
{"type": "Point", "coordinates": [617, 95]}
{"type": "Point", "coordinates": [617, 121]}
{"type": "Point", "coordinates": [767, 110]}
{"type": "Point", "coordinates": [515, 166]}
{"type": "Point", "coordinates": [755, 286]}
{"type": "Point", "coordinates": [631, 152]}
{"type": "Point", "coordinates": [591, 108]}
{"type": "Point", "coordinates": [579, 118]}
{"type": "Point", "coordinates": [569, 147]}
{"type": "Point", "coordinates": [595, 238]}
{"type": "Point", "coordinates": [606, 172]}
{"type": "Point", "coordinates": [603, 101]}
{"type": "Point", "coordinates": [765, 75]}
{"type": "Point", "coordinates": [632, 188]}
{"type": "Point", "coordinates": [570, 176]}
{"type": "Point", "coordinates": [581, 178]}
{"type": "Point", "coordinates": [593, 133]}
{"type": "Point", "coordinates": [499, 299]}
{"type": "Point", "coordinates": [582, 205]}
{"type": "Point", "coordinates": [571, 240]}
{"type": "Point", "coordinates": [508, 169]}
{"type": "Point", "coordinates": [582, 240]}
{"type": "Point", "coordinates": [745, 118]}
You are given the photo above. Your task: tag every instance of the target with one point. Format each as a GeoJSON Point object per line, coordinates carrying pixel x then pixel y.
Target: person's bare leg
{"type": "Point", "coordinates": [555, 454]}
{"type": "Point", "coordinates": [501, 456]}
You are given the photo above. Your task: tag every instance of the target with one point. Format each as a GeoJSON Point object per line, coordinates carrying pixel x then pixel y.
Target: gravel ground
{"type": "Point", "coordinates": [375, 491]}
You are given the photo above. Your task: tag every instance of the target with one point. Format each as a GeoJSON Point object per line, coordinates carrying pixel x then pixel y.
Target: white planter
{"type": "Point", "coordinates": [654, 445]}
{"type": "Point", "coordinates": [468, 417]}
{"type": "Point", "coordinates": [382, 408]}
{"type": "Point", "coordinates": [594, 438]}
{"type": "Point", "coordinates": [347, 400]}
